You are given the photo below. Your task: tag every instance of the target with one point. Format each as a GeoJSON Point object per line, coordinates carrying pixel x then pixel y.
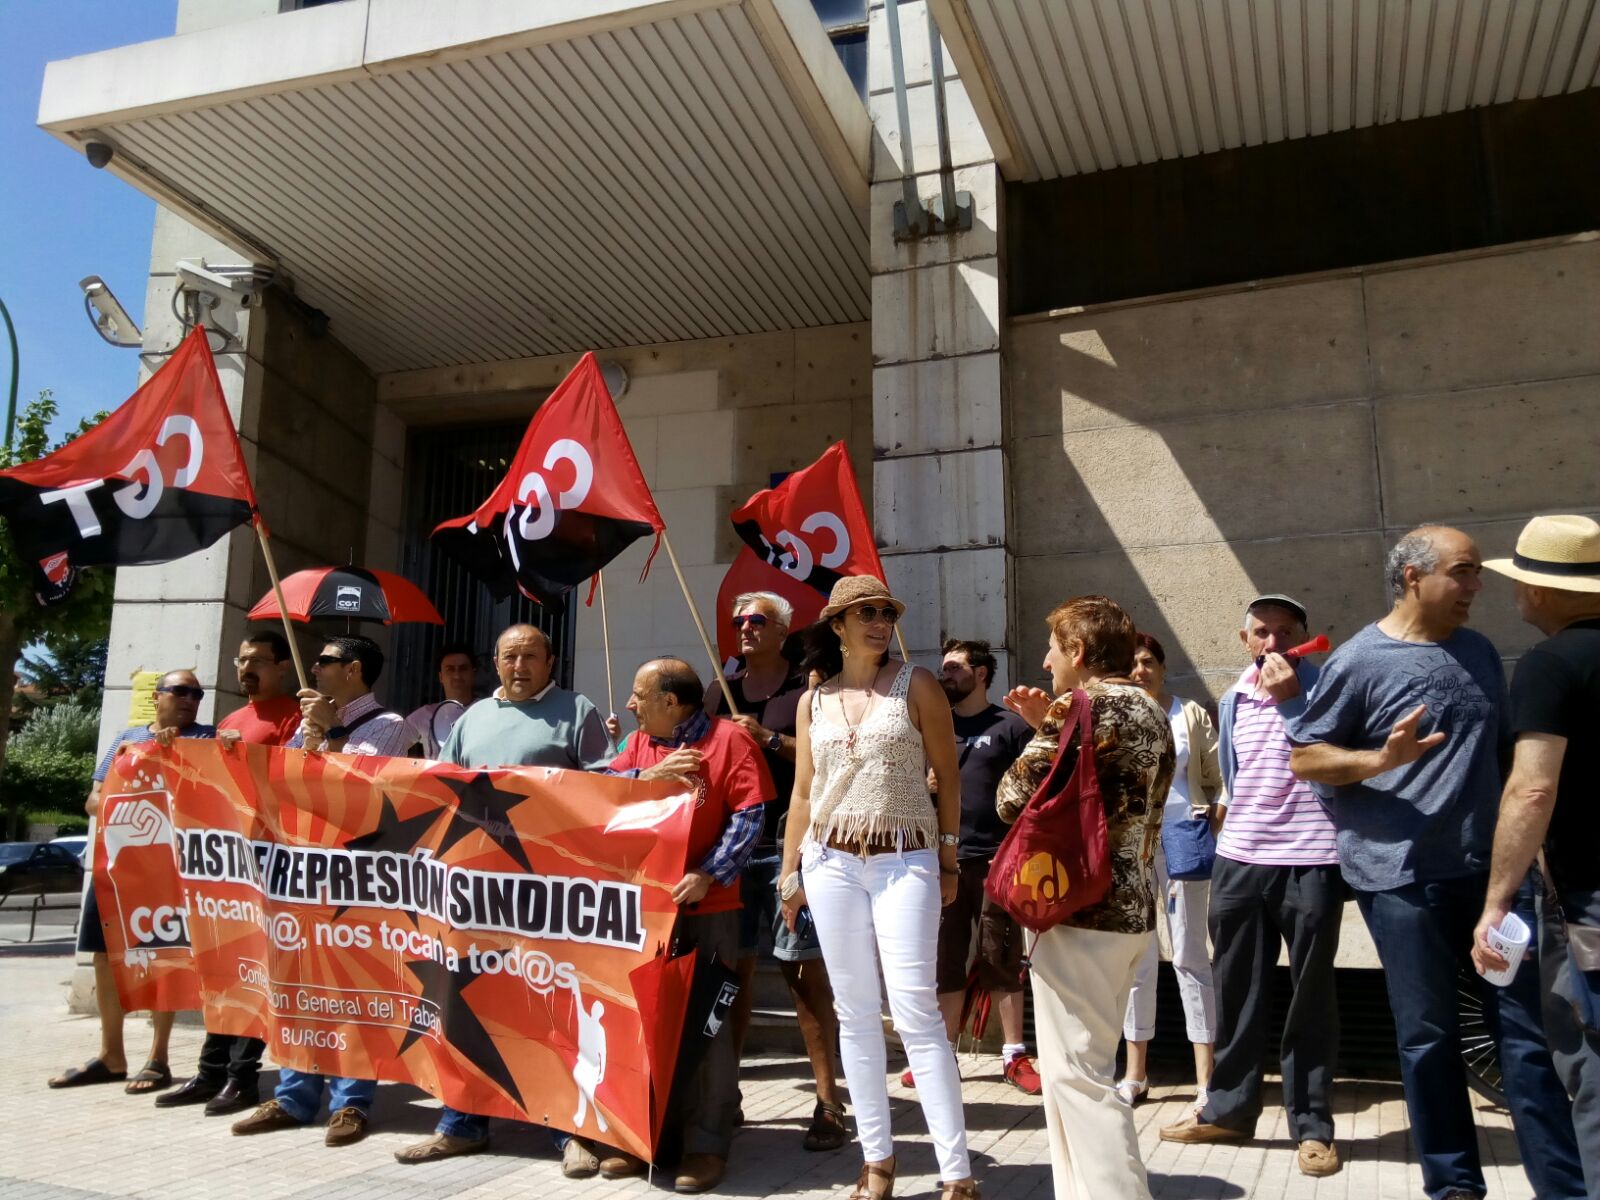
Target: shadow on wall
{"type": "Point", "coordinates": [1184, 455]}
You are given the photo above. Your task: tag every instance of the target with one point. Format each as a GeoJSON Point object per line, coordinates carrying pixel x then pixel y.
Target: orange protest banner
{"type": "Point", "coordinates": [471, 932]}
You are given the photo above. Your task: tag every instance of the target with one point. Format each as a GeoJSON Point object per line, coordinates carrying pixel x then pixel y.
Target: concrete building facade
{"type": "Point", "coordinates": [1158, 363]}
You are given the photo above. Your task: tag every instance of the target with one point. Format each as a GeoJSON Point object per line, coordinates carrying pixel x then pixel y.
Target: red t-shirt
{"type": "Point", "coordinates": [265, 722]}
{"type": "Point", "coordinates": [732, 777]}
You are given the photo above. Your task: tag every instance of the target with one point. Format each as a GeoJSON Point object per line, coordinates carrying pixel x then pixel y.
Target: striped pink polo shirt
{"type": "Point", "coordinates": [1274, 819]}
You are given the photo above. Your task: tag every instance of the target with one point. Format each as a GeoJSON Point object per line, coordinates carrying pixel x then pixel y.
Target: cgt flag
{"type": "Point", "coordinates": [160, 478]}
{"type": "Point", "coordinates": [573, 500]}
{"type": "Point", "coordinates": [813, 526]}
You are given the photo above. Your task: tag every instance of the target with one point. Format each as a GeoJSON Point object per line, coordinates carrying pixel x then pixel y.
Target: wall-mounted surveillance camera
{"type": "Point", "coordinates": [234, 284]}
{"type": "Point", "coordinates": [98, 154]}
{"type": "Point", "coordinates": [111, 321]}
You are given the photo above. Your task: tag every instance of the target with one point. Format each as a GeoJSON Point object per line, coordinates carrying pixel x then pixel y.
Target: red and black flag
{"type": "Point", "coordinates": [813, 526]}
{"type": "Point", "coordinates": [160, 478]}
{"type": "Point", "coordinates": [573, 500]}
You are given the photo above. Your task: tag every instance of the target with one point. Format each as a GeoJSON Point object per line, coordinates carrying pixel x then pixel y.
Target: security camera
{"type": "Point", "coordinates": [98, 154]}
{"type": "Point", "coordinates": [235, 284]}
{"type": "Point", "coordinates": [111, 321]}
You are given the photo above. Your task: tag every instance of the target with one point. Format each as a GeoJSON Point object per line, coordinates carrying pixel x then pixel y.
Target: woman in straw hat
{"type": "Point", "coordinates": [869, 853]}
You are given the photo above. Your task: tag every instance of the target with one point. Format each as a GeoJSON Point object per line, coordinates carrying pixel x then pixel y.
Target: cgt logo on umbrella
{"type": "Point", "coordinates": [347, 600]}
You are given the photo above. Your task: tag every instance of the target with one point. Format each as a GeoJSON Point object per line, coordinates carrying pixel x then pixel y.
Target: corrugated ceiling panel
{"type": "Point", "coordinates": [647, 185]}
{"type": "Point", "coordinates": [1088, 85]}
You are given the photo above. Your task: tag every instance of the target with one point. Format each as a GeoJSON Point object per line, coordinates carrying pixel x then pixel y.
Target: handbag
{"type": "Point", "coordinates": [1190, 847]}
{"type": "Point", "coordinates": [1057, 858]}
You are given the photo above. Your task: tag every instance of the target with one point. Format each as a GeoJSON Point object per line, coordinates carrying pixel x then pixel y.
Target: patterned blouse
{"type": "Point", "coordinates": [1134, 759]}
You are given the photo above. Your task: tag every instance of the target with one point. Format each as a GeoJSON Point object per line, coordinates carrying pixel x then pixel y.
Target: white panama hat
{"type": "Point", "coordinates": [1562, 553]}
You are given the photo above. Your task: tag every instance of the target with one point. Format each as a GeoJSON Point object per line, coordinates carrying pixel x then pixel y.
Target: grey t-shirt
{"type": "Point", "coordinates": [557, 729]}
{"type": "Point", "coordinates": [1433, 818]}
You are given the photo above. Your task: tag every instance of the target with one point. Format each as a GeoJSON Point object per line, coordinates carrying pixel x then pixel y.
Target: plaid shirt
{"type": "Point", "coordinates": [388, 733]}
{"type": "Point", "coordinates": [738, 841]}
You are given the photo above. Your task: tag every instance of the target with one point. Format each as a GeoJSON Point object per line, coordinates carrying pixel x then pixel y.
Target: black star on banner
{"type": "Point", "coordinates": [442, 990]}
{"type": "Point", "coordinates": [395, 836]}
{"type": "Point", "coordinates": [483, 808]}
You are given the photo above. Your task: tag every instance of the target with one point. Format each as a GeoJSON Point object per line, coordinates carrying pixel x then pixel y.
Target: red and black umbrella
{"type": "Point", "coordinates": [354, 593]}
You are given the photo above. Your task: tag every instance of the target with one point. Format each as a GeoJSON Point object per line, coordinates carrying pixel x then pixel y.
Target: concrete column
{"type": "Point", "coordinates": [939, 469]}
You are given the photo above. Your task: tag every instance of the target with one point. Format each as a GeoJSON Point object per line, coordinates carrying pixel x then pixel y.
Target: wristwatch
{"type": "Point", "coordinates": [949, 839]}
{"type": "Point", "coordinates": [790, 886]}
{"type": "Point", "coordinates": [775, 742]}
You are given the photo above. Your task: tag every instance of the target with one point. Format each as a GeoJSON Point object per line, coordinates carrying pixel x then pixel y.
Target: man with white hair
{"type": "Point", "coordinates": [1405, 736]}
{"type": "Point", "coordinates": [767, 689]}
{"type": "Point", "coordinates": [1548, 800]}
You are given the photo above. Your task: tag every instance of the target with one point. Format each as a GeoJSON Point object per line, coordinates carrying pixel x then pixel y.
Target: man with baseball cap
{"type": "Point", "coordinates": [1276, 880]}
{"type": "Point", "coordinates": [1549, 799]}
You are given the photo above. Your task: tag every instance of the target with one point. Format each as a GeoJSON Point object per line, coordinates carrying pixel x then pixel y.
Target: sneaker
{"type": "Point", "coordinates": [906, 1080]}
{"type": "Point", "coordinates": [1133, 1092]}
{"type": "Point", "coordinates": [347, 1126]}
{"type": "Point", "coordinates": [1022, 1074]}
{"type": "Point", "coordinates": [579, 1161]}
{"type": "Point", "coordinates": [268, 1117]}
{"type": "Point", "coordinates": [1318, 1158]}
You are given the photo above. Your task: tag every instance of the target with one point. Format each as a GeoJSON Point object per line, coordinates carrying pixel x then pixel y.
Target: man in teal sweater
{"type": "Point", "coordinates": [528, 722]}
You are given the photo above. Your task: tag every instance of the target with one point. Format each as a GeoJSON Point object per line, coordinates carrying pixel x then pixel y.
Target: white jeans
{"type": "Point", "coordinates": [884, 908]}
{"type": "Point", "coordinates": [1080, 987]}
{"type": "Point", "coordinates": [1182, 904]}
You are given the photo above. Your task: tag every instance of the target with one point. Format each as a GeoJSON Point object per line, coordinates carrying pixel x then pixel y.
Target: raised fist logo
{"type": "Point", "coordinates": [136, 821]}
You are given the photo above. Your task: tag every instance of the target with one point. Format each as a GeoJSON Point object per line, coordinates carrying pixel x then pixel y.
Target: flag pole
{"type": "Point", "coordinates": [705, 639]}
{"type": "Point", "coordinates": [283, 608]}
{"type": "Point", "coordinates": [905, 655]}
{"type": "Point", "coordinates": [605, 632]}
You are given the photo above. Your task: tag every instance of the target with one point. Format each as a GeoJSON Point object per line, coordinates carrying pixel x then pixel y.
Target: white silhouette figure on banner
{"type": "Point", "coordinates": [590, 1068]}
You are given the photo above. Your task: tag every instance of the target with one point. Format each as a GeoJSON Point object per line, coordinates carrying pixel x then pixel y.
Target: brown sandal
{"type": "Point", "coordinates": [960, 1191]}
{"type": "Point", "coordinates": [864, 1190]}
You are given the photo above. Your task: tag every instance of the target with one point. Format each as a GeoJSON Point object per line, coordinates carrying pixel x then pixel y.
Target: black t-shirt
{"type": "Point", "coordinates": [988, 744]}
{"type": "Point", "coordinates": [779, 713]}
{"type": "Point", "coordinates": [1556, 690]}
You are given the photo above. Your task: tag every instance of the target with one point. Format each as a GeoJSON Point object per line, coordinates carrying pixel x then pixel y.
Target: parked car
{"type": "Point", "coordinates": [75, 844]}
{"type": "Point", "coordinates": [38, 869]}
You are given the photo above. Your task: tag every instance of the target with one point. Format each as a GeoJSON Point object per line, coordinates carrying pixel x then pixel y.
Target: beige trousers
{"type": "Point", "coordinates": [1081, 980]}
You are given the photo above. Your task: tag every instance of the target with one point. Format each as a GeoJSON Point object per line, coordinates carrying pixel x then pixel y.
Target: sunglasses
{"type": "Point", "coordinates": [754, 620]}
{"type": "Point", "coordinates": [184, 691]}
{"type": "Point", "coordinates": [868, 613]}
{"type": "Point", "coordinates": [328, 660]}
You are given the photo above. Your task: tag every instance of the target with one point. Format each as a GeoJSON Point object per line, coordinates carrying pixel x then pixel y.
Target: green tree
{"type": "Point", "coordinates": [86, 613]}
{"type": "Point", "coordinates": [69, 666]}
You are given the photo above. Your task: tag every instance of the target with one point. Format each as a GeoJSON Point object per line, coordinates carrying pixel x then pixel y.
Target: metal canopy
{"type": "Point", "coordinates": [1066, 87]}
{"type": "Point", "coordinates": [486, 180]}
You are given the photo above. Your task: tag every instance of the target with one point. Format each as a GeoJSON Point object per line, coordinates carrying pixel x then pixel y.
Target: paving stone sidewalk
{"type": "Point", "coordinates": [95, 1142]}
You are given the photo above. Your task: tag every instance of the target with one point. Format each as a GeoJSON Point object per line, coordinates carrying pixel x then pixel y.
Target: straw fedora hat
{"type": "Point", "coordinates": [858, 589]}
{"type": "Point", "coordinates": [1555, 552]}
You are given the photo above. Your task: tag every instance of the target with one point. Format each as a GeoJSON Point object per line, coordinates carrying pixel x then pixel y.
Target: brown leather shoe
{"type": "Point", "coordinates": [268, 1117]}
{"type": "Point", "coordinates": [440, 1145]}
{"type": "Point", "coordinates": [579, 1161]}
{"type": "Point", "coordinates": [346, 1127]}
{"type": "Point", "coordinates": [1318, 1158]}
{"type": "Point", "coordinates": [699, 1173]}
{"type": "Point", "coordinates": [1190, 1129]}
{"type": "Point", "coordinates": [621, 1165]}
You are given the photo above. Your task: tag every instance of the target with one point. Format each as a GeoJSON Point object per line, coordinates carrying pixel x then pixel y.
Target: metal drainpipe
{"type": "Point", "coordinates": [916, 223]}
{"type": "Point", "coordinates": [947, 175]}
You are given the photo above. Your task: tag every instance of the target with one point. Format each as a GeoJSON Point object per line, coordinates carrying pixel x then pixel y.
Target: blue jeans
{"type": "Point", "coordinates": [462, 1125]}
{"type": "Point", "coordinates": [299, 1094]}
{"type": "Point", "coordinates": [1423, 932]}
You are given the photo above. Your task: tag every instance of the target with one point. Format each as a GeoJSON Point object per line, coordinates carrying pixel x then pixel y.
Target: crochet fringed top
{"type": "Point", "coordinates": [870, 783]}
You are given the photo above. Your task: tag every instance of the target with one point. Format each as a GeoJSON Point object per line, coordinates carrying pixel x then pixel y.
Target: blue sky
{"type": "Point", "coordinates": [59, 218]}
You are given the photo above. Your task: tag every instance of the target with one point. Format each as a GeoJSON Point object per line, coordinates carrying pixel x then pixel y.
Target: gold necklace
{"type": "Point", "coordinates": [844, 711]}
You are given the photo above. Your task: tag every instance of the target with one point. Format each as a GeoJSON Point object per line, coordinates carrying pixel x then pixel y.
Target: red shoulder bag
{"type": "Point", "coordinates": [1057, 857]}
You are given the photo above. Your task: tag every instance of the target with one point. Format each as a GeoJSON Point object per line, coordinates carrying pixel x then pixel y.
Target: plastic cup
{"type": "Point", "coordinates": [1509, 940]}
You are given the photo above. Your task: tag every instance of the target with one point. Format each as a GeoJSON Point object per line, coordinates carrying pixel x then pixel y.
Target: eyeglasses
{"type": "Point", "coordinates": [256, 662]}
{"type": "Point", "coordinates": [754, 620]}
{"type": "Point", "coordinates": [328, 660]}
{"type": "Point", "coordinates": [868, 613]}
{"type": "Point", "coordinates": [184, 691]}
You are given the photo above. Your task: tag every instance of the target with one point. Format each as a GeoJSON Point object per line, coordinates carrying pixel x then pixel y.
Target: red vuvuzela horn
{"type": "Point", "coordinates": [1317, 645]}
